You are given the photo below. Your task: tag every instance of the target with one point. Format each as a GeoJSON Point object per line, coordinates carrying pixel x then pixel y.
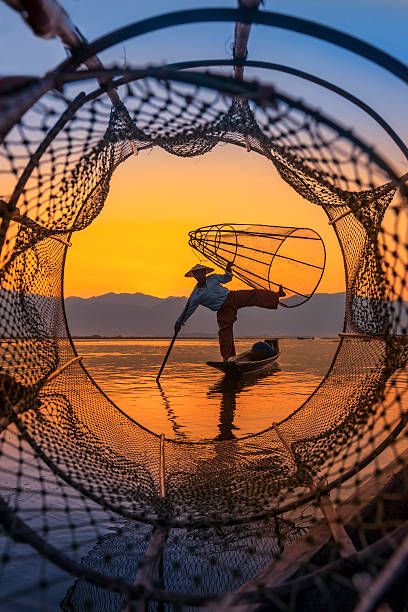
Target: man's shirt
{"type": "Point", "coordinates": [212, 295]}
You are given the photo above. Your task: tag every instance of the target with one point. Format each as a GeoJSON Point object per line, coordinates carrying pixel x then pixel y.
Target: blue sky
{"type": "Point", "coordinates": [380, 22]}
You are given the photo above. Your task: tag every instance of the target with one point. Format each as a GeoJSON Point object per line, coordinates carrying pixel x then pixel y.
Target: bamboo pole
{"type": "Point", "coordinates": [361, 336]}
{"type": "Point", "coordinates": [361, 580]}
{"type": "Point", "coordinates": [285, 442]}
{"type": "Point", "coordinates": [340, 535]}
{"type": "Point", "coordinates": [61, 369]}
{"type": "Point", "coordinates": [48, 19]}
{"type": "Point", "coordinates": [61, 240]}
{"type": "Point", "coordinates": [162, 468]}
{"type": "Point", "coordinates": [241, 37]}
{"type": "Point", "coordinates": [170, 346]}
{"type": "Point", "coordinates": [394, 570]}
{"type": "Point", "coordinates": [299, 554]}
{"type": "Point", "coordinates": [17, 217]}
{"type": "Point", "coordinates": [150, 562]}
{"type": "Point", "coordinates": [333, 221]}
{"type": "Point", "coordinates": [148, 567]}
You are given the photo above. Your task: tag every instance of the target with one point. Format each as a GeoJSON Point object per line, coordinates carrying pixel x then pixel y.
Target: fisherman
{"type": "Point", "coordinates": [211, 293]}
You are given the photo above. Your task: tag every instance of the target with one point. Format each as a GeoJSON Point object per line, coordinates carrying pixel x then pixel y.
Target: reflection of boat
{"type": "Point", "coordinates": [245, 362]}
{"type": "Point", "coordinates": [237, 384]}
{"type": "Point", "coordinates": [229, 387]}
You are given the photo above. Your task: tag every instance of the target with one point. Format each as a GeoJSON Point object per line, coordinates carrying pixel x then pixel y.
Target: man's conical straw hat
{"type": "Point", "coordinates": [199, 267]}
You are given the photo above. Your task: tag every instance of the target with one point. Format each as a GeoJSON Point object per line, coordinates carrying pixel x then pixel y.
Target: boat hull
{"type": "Point", "coordinates": [240, 365]}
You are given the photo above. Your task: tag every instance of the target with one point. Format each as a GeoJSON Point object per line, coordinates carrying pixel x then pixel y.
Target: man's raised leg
{"type": "Point", "coordinates": [262, 298]}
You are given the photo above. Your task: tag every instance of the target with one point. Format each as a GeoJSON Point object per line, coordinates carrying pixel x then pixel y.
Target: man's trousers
{"type": "Point", "coordinates": [227, 314]}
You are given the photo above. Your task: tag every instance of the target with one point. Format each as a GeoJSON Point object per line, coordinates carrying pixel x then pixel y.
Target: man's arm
{"type": "Point", "coordinates": [227, 277]}
{"type": "Point", "coordinates": [190, 307]}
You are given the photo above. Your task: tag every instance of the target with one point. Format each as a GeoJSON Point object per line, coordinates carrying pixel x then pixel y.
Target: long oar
{"type": "Point", "coordinates": [166, 356]}
{"type": "Point", "coordinates": [170, 347]}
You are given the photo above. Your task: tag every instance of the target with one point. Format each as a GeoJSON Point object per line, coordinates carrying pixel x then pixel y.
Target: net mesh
{"type": "Point", "coordinates": [229, 505]}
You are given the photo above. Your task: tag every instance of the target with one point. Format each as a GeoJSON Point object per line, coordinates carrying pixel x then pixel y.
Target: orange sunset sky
{"type": "Point", "coordinates": [139, 243]}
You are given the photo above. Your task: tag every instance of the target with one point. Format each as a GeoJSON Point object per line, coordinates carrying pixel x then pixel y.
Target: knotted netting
{"type": "Point", "coordinates": [98, 472]}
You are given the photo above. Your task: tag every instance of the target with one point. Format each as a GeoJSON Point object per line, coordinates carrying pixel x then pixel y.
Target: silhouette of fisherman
{"type": "Point", "coordinates": [211, 293]}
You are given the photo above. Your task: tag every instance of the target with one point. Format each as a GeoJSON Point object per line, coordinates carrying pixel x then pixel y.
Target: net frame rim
{"type": "Point", "coordinates": [299, 104]}
{"type": "Point", "coordinates": [244, 15]}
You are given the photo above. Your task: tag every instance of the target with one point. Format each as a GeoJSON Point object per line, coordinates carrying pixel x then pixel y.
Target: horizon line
{"type": "Point", "coordinates": [169, 296]}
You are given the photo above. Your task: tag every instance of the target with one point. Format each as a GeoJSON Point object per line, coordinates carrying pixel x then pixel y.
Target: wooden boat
{"type": "Point", "coordinates": [242, 363]}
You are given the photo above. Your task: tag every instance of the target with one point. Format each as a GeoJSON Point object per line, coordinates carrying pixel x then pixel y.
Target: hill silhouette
{"type": "Point", "coordinates": [137, 314]}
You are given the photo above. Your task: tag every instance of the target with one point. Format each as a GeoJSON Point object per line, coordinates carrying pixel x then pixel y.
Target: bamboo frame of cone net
{"type": "Point", "coordinates": [266, 257]}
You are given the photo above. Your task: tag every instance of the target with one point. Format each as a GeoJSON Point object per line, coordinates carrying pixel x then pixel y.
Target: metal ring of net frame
{"type": "Point", "coordinates": [189, 76]}
{"type": "Point", "coordinates": [256, 252]}
{"type": "Point", "coordinates": [166, 595]}
{"type": "Point", "coordinates": [242, 15]}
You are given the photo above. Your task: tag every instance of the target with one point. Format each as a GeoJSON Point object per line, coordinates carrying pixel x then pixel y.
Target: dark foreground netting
{"type": "Point", "coordinates": [311, 509]}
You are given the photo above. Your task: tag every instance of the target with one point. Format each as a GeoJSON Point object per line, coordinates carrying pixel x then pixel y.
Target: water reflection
{"type": "Point", "coordinates": [229, 388]}
{"type": "Point", "coordinates": [193, 403]}
{"type": "Point", "coordinates": [177, 428]}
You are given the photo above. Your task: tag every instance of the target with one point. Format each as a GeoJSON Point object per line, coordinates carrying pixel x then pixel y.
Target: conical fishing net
{"type": "Point", "coordinates": [265, 257]}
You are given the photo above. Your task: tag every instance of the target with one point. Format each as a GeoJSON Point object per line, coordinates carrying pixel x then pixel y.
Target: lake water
{"type": "Point", "coordinates": [194, 401]}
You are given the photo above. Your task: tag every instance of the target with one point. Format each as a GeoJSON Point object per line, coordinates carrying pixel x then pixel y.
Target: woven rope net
{"type": "Point", "coordinates": [227, 507]}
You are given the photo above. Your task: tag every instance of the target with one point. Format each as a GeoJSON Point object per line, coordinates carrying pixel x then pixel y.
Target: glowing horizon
{"type": "Point", "coordinates": [139, 243]}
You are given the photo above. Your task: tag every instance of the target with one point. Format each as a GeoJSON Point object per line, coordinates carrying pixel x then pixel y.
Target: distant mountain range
{"type": "Point", "coordinates": [137, 314]}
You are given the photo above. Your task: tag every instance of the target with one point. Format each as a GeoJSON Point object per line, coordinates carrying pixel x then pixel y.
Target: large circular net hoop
{"type": "Point", "coordinates": [229, 507]}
